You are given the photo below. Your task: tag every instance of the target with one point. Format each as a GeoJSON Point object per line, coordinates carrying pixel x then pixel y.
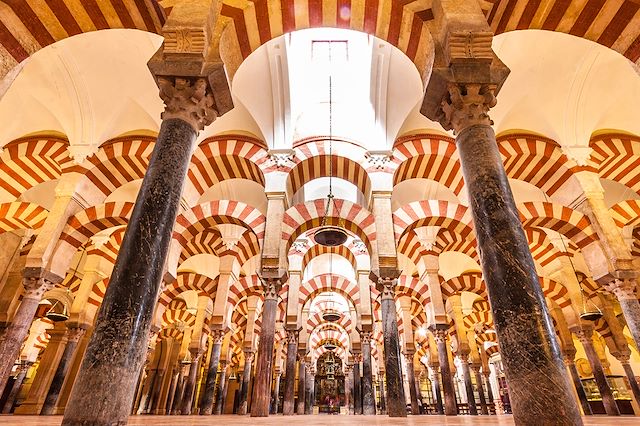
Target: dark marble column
{"type": "Point", "coordinates": [585, 335]}
{"type": "Point", "coordinates": [302, 373]}
{"type": "Point", "coordinates": [577, 383]}
{"type": "Point", "coordinates": [450, 404]}
{"type": "Point", "coordinates": [468, 384]}
{"type": "Point", "coordinates": [222, 384]}
{"type": "Point", "coordinates": [177, 399]}
{"type": "Point", "coordinates": [357, 383]}
{"type": "Point", "coordinates": [348, 387]}
{"type": "Point", "coordinates": [190, 385]}
{"type": "Point", "coordinates": [435, 381]}
{"type": "Point", "coordinates": [246, 378]}
{"type": "Point", "coordinates": [396, 405]}
{"type": "Point", "coordinates": [383, 394]}
{"type": "Point", "coordinates": [479, 385]}
{"type": "Point", "coordinates": [539, 387]}
{"type": "Point", "coordinates": [210, 382]}
{"type": "Point", "coordinates": [290, 373]}
{"type": "Point", "coordinates": [116, 350]}
{"type": "Point", "coordinates": [368, 394]}
{"type": "Point", "coordinates": [171, 394]}
{"type": "Point", "coordinates": [17, 384]}
{"type": "Point", "coordinates": [491, 402]}
{"type": "Point", "coordinates": [276, 394]}
{"type": "Point", "coordinates": [18, 330]}
{"type": "Point", "coordinates": [261, 397]}
{"type": "Point", "coordinates": [413, 390]}
{"type": "Point", "coordinates": [74, 335]}
{"type": "Point", "coordinates": [308, 390]}
{"type": "Point", "coordinates": [633, 383]}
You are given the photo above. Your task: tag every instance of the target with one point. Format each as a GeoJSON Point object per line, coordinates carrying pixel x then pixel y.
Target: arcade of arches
{"type": "Point", "coordinates": [165, 167]}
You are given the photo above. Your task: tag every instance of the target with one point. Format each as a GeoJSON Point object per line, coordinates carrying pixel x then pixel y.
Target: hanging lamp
{"type": "Point", "coordinates": [329, 235]}
{"type": "Point", "coordinates": [57, 312]}
{"type": "Point", "coordinates": [331, 313]}
{"type": "Point", "coordinates": [330, 346]}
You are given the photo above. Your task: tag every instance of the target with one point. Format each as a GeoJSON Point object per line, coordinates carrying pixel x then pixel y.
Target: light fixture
{"type": "Point", "coordinates": [57, 312]}
{"type": "Point", "coordinates": [331, 314]}
{"type": "Point", "coordinates": [330, 346]}
{"type": "Point", "coordinates": [330, 235]}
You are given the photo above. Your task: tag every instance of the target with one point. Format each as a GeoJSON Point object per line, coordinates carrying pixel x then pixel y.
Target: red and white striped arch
{"type": "Point", "coordinates": [317, 250]}
{"type": "Point", "coordinates": [303, 217]}
{"type": "Point", "coordinates": [541, 248]}
{"type": "Point", "coordinates": [445, 214]}
{"type": "Point", "coordinates": [555, 291]}
{"type": "Point", "coordinates": [480, 305]}
{"type": "Point", "coordinates": [611, 23]}
{"type": "Point", "coordinates": [109, 251]}
{"type": "Point", "coordinates": [469, 281]}
{"type": "Point", "coordinates": [98, 291]}
{"type": "Point", "coordinates": [319, 166]}
{"type": "Point", "coordinates": [316, 320]}
{"type": "Point", "coordinates": [617, 156]}
{"type": "Point", "coordinates": [329, 282]}
{"type": "Point", "coordinates": [208, 215]}
{"type": "Point", "coordinates": [431, 157]}
{"type": "Point", "coordinates": [402, 24]}
{"type": "Point", "coordinates": [570, 223]}
{"type": "Point", "coordinates": [538, 161]}
{"type": "Point", "coordinates": [414, 288]}
{"type": "Point", "coordinates": [226, 157]}
{"type": "Point", "coordinates": [88, 222]}
{"type": "Point", "coordinates": [626, 213]}
{"type": "Point", "coordinates": [170, 333]}
{"type": "Point", "coordinates": [185, 281]}
{"type": "Point", "coordinates": [478, 317]}
{"type": "Point", "coordinates": [21, 215]}
{"type": "Point", "coordinates": [30, 161]}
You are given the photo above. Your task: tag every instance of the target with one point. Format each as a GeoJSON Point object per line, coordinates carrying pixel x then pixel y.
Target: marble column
{"type": "Point", "coordinates": [302, 372]}
{"type": "Point", "coordinates": [246, 379]}
{"type": "Point", "coordinates": [411, 376]}
{"type": "Point", "coordinates": [539, 388]}
{"type": "Point", "coordinates": [261, 397]}
{"type": "Point", "coordinates": [210, 382]}
{"type": "Point", "coordinates": [633, 383]}
{"type": "Point", "coordinates": [171, 394]}
{"type": "Point", "coordinates": [348, 387]}
{"type": "Point", "coordinates": [74, 334]}
{"type": "Point", "coordinates": [435, 382]}
{"type": "Point", "coordinates": [357, 383]}
{"type": "Point", "coordinates": [450, 404]}
{"type": "Point", "coordinates": [309, 390]}
{"type": "Point", "coordinates": [383, 394]}
{"type": "Point", "coordinates": [625, 292]}
{"type": "Point", "coordinates": [396, 406]}
{"type": "Point", "coordinates": [276, 394]}
{"type": "Point", "coordinates": [491, 402]}
{"type": "Point", "coordinates": [577, 383]}
{"type": "Point", "coordinates": [18, 330]}
{"type": "Point", "coordinates": [115, 353]}
{"type": "Point", "coordinates": [290, 373]}
{"type": "Point", "coordinates": [585, 335]}
{"type": "Point", "coordinates": [222, 384]}
{"type": "Point", "coordinates": [190, 385]}
{"type": "Point", "coordinates": [177, 399]}
{"type": "Point", "coordinates": [468, 384]}
{"type": "Point", "coordinates": [15, 388]}
{"type": "Point", "coordinates": [483, 402]}
{"type": "Point", "coordinates": [368, 393]}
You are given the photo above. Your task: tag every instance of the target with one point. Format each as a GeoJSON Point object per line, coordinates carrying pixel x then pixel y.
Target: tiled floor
{"type": "Point", "coordinates": [311, 420]}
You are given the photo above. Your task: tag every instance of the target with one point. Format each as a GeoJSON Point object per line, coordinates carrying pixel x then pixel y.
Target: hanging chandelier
{"type": "Point", "coordinates": [330, 235]}
{"type": "Point", "coordinates": [57, 312]}
{"type": "Point", "coordinates": [330, 346]}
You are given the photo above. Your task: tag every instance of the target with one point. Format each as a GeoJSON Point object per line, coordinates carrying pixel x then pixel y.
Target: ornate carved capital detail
{"type": "Point", "coordinates": [460, 46]}
{"type": "Point", "coordinates": [248, 355]}
{"type": "Point", "coordinates": [292, 336]}
{"type": "Point", "coordinates": [464, 356]}
{"type": "Point", "coordinates": [466, 105]}
{"type": "Point", "coordinates": [36, 287]}
{"type": "Point", "coordinates": [74, 334]}
{"type": "Point", "coordinates": [271, 288]}
{"type": "Point", "coordinates": [568, 356]}
{"type": "Point", "coordinates": [440, 335]}
{"type": "Point", "coordinates": [218, 336]}
{"type": "Point", "coordinates": [357, 357]}
{"type": "Point", "coordinates": [188, 99]}
{"type": "Point", "coordinates": [408, 356]}
{"type": "Point", "coordinates": [377, 160]}
{"type": "Point", "coordinates": [185, 40]}
{"type": "Point", "coordinates": [365, 337]}
{"type": "Point", "coordinates": [623, 289]}
{"type": "Point", "coordinates": [388, 287]}
{"type": "Point", "coordinates": [348, 368]}
{"type": "Point", "coordinates": [584, 335]}
{"type": "Point", "coordinates": [282, 159]}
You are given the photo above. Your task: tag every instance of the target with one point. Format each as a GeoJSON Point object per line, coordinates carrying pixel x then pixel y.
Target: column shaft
{"type": "Point", "coordinates": [632, 380]}
{"type": "Point", "coordinates": [246, 379]}
{"type": "Point", "coordinates": [538, 384]}
{"type": "Point", "coordinates": [17, 384]}
{"type": "Point", "coordinates": [302, 371]}
{"type": "Point", "coordinates": [264, 364]}
{"type": "Point", "coordinates": [413, 390]}
{"type": "Point", "coordinates": [435, 381]}
{"type": "Point", "coordinates": [172, 393]}
{"type": "Point", "coordinates": [468, 385]}
{"type": "Point", "coordinates": [396, 406]}
{"type": "Point", "coordinates": [609, 402]}
{"type": "Point", "coordinates": [116, 351]}
{"type": "Point", "coordinates": [491, 402]}
{"type": "Point", "coordinates": [383, 394]}
{"type": "Point", "coordinates": [479, 385]}
{"type": "Point", "coordinates": [348, 388]}
{"type": "Point", "coordinates": [177, 399]}
{"type": "Point", "coordinates": [190, 386]}
{"type": "Point", "coordinates": [73, 337]}
{"type": "Point", "coordinates": [290, 374]}
{"type": "Point", "coordinates": [577, 383]}
{"type": "Point", "coordinates": [276, 394]}
{"type": "Point", "coordinates": [368, 394]}
{"type": "Point", "coordinates": [210, 382]}
{"type": "Point", "coordinates": [450, 404]}
{"type": "Point", "coordinates": [357, 386]}
{"type": "Point", "coordinates": [222, 384]}
{"type": "Point", "coordinates": [308, 392]}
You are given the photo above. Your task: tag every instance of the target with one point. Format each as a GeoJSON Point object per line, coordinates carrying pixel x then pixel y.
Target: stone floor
{"type": "Point", "coordinates": [310, 420]}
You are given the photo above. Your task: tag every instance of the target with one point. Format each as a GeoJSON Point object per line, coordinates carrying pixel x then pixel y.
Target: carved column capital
{"type": "Point", "coordinates": [248, 355]}
{"type": "Point", "coordinates": [584, 335]}
{"type": "Point", "coordinates": [466, 105]}
{"type": "Point", "coordinates": [348, 368]}
{"type": "Point", "coordinates": [74, 334]}
{"type": "Point", "coordinates": [365, 337]}
{"type": "Point", "coordinates": [623, 289]}
{"type": "Point", "coordinates": [440, 335]}
{"type": "Point", "coordinates": [568, 356]}
{"type": "Point", "coordinates": [357, 357]}
{"type": "Point", "coordinates": [292, 336]}
{"type": "Point", "coordinates": [387, 287]}
{"type": "Point", "coordinates": [218, 335]}
{"type": "Point", "coordinates": [36, 287]}
{"type": "Point", "coordinates": [464, 356]}
{"type": "Point", "coordinates": [189, 99]}
{"type": "Point", "coordinates": [271, 287]}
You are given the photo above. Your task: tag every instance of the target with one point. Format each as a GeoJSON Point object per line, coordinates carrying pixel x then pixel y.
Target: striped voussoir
{"type": "Point", "coordinates": [21, 215]}
{"type": "Point", "coordinates": [88, 222]}
{"type": "Point", "coordinates": [201, 284]}
{"type": "Point", "coordinates": [555, 291]}
{"type": "Point", "coordinates": [315, 320]}
{"type": "Point", "coordinates": [414, 288]}
{"type": "Point", "coordinates": [329, 282]}
{"type": "Point", "coordinates": [469, 281]}
{"type": "Point", "coordinates": [452, 216]}
{"type": "Point", "coordinates": [617, 158]}
{"type": "Point", "coordinates": [570, 223]}
{"type": "Point", "coordinates": [542, 250]}
{"type": "Point", "coordinates": [318, 250]}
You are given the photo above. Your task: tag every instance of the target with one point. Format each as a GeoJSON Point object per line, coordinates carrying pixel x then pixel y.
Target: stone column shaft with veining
{"type": "Point", "coordinates": [483, 401]}
{"type": "Point", "coordinates": [17, 384]}
{"type": "Point", "coordinates": [368, 394]}
{"type": "Point", "coordinates": [413, 390]}
{"type": "Point", "coordinates": [290, 373]}
{"type": "Point", "coordinates": [246, 379]}
{"type": "Point", "coordinates": [190, 386]}
{"type": "Point", "coordinates": [116, 351]}
{"type": "Point", "coordinates": [210, 382]}
{"type": "Point", "coordinates": [468, 384]}
{"type": "Point", "coordinates": [577, 383]}
{"type": "Point", "coordinates": [450, 404]}
{"type": "Point", "coordinates": [490, 402]}
{"type": "Point", "coordinates": [302, 372]}
{"type": "Point", "coordinates": [357, 384]}
{"type": "Point", "coordinates": [222, 385]}
{"type": "Point", "coordinates": [435, 381]}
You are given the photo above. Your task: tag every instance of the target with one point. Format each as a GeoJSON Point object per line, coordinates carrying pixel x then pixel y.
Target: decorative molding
{"type": "Point", "coordinates": [282, 158]}
{"type": "Point", "coordinates": [464, 45]}
{"type": "Point", "coordinates": [185, 40]}
{"type": "Point", "coordinates": [378, 159]}
{"type": "Point", "coordinates": [466, 105]}
{"type": "Point", "coordinates": [188, 99]}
